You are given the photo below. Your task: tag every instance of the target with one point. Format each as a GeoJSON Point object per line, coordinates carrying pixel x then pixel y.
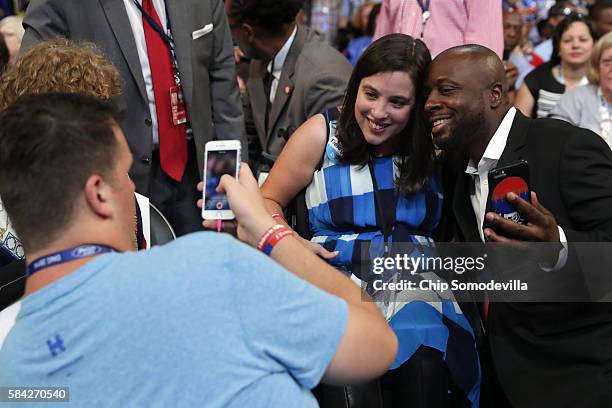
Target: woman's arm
{"type": "Point", "coordinates": [294, 169]}
{"type": "Point", "coordinates": [524, 100]}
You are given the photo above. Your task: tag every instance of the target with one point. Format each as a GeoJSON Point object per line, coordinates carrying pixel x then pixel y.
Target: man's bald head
{"type": "Point", "coordinates": [484, 63]}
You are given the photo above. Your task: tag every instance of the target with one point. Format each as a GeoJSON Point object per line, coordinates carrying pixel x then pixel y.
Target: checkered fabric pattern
{"type": "Point", "coordinates": [10, 244]}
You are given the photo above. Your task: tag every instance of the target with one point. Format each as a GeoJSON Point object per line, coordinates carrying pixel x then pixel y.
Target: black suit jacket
{"type": "Point", "coordinates": [554, 354]}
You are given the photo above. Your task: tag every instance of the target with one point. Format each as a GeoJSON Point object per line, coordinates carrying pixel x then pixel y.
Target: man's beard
{"type": "Point", "coordinates": [466, 131]}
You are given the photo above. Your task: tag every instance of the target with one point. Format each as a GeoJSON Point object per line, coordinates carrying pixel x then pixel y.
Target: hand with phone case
{"type": "Point", "coordinates": [514, 213]}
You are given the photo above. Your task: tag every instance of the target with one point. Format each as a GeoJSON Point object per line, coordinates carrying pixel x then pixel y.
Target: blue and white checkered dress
{"type": "Point", "coordinates": [342, 215]}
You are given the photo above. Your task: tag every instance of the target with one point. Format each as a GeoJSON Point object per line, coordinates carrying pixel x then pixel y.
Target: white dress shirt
{"type": "Point", "coordinates": [479, 173]}
{"type": "Point", "coordinates": [135, 17]}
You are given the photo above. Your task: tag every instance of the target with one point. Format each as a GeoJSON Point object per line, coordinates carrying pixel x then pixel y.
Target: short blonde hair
{"type": "Point", "coordinates": [60, 65]}
{"type": "Point", "coordinates": [603, 44]}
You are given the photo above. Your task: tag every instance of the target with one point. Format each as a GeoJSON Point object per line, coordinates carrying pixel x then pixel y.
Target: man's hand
{"type": "Point", "coordinates": [247, 204]}
{"type": "Point", "coordinates": [541, 227]}
{"type": "Point", "coordinates": [541, 224]}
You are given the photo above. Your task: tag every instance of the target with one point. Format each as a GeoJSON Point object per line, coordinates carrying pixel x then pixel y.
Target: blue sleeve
{"type": "Point", "coordinates": [290, 324]}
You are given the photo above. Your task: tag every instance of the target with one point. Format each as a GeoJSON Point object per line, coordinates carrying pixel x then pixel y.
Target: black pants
{"type": "Point", "coordinates": [421, 382]}
{"type": "Point", "coordinates": [177, 200]}
{"type": "Point", "coordinates": [492, 394]}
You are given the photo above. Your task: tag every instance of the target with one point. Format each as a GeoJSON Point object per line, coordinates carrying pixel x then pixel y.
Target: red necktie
{"type": "Point", "coordinates": [172, 139]}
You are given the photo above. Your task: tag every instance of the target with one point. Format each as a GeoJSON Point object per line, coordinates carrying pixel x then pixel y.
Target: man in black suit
{"type": "Point", "coordinates": [535, 354]}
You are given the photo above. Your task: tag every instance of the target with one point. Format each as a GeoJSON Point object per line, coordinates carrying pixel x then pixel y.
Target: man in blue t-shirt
{"type": "Point", "coordinates": [203, 321]}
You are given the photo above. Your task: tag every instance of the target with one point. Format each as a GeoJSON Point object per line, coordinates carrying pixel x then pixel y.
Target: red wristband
{"type": "Point", "coordinates": [279, 216]}
{"type": "Point", "coordinates": [266, 235]}
{"type": "Point", "coordinates": [272, 237]}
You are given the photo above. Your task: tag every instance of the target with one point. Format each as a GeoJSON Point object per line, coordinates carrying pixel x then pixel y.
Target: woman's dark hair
{"type": "Point", "coordinates": [562, 27]}
{"type": "Point", "coordinates": [394, 52]}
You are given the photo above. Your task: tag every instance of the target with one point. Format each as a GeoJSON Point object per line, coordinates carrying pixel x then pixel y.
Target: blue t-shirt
{"type": "Point", "coordinates": [202, 321]}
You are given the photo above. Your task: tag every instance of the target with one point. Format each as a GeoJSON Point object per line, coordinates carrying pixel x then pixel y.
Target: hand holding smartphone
{"type": "Point", "coordinates": [513, 178]}
{"type": "Point", "coordinates": [220, 157]}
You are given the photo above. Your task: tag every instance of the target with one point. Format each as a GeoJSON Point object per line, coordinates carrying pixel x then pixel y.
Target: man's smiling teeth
{"type": "Point", "coordinates": [440, 121]}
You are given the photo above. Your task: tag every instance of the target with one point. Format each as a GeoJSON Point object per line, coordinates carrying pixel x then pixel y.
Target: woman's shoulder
{"type": "Point", "coordinates": [540, 74]}
{"type": "Point", "coordinates": [582, 92]}
{"type": "Point", "coordinates": [581, 97]}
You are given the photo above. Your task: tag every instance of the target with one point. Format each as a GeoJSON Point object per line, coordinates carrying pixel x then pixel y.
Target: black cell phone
{"type": "Point", "coordinates": [503, 180]}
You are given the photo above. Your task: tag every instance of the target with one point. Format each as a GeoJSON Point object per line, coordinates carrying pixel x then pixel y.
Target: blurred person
{"type": "Point", "coordinates": [543, 87]}
{"type": "Point", "coordinates": [12, 30]}
{"type": "Point", "coordinates": [4, 54]}
{"type": "Point", "coordinates": [357, 27]}
{"type": "Point", "coordinates": [549, 353]}
{"type": "Point", "coordinates": [254, 332]}
{"type": "Point", "coordinates": [349, 29]}
{"type": "Point", "coordinates": [361, 17]}
{"type": "Point", "coordinates": [293, 73]}
{"type": "Point", "coordinates": [179, 85]}
{"type": "Point", "coordinates": [347, 11]}
{"type": "Point", "coordinates": [513, 33]}
{"type": "Point", "coordinates": [556, 14]}
{"type": "Point", "coordinates": [371, 184]}
{"type": "Point", "coordinates": [588, 106]}
{"type": "Point", "coordinates": [600, 14]}
{"type": "Point", "coordinates": [357, 45]}
{"type": "Point", "coordinates": [442, 24]}
{"type": "Point", "coordinates": [518, 53]}
{"type": "Point", "coordinates": [545, 30]}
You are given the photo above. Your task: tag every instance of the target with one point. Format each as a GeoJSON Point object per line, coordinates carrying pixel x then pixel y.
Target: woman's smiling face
{"type": "Point", "coordinates": [382, 109]}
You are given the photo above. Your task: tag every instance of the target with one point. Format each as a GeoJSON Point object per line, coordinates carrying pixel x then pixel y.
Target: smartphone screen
{"type": "Point", "coordinates": [218, 163]}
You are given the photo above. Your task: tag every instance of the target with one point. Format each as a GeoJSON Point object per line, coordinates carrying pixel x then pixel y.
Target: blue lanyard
{"type": "Point", "coordinates": [424, 5]}
{"type": "Point", "coordinates": [67, 255]}
{"type": "Point", "coordinates": [167, 37]}
{"type": "Point", "coordinates": [425, 14]}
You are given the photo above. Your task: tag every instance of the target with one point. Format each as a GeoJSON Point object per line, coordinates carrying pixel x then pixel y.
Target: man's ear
{"type": "Point", "coordinates": [249, 30]}
{"type": "Point", "coordinates": [496, 94]}
{"type": "Point", "coordinates": [98, 196]}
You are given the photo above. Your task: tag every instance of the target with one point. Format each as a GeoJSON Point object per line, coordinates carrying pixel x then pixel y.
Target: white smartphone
{"type": "Point", "coordinates": [220, 157]}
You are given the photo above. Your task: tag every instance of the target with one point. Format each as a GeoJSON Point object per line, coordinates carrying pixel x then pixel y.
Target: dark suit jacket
{"type": "Point", "coordinates": [554, 354]}
{"type": "Point", "coordinates": [314, 78]}
{"type": "Point", "coordinates": [206, 66]}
